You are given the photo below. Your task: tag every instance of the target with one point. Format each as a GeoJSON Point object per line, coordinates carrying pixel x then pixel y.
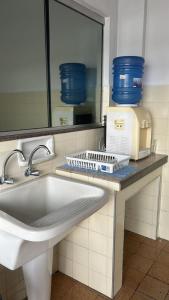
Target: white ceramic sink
{"type": "Point", "coordinates": [41, 209]}
{"type": "Point", "coordinates": [36, 215]}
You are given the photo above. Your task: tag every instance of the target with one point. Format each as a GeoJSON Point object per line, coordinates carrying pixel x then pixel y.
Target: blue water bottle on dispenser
{"type": "Point", "coordinates": [73, 83]}
{"type": "Point", "coordinates": [127, 80]}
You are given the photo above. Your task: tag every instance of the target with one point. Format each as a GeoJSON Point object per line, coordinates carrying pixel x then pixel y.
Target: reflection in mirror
{"type": "Point", "coordinates": [23, 92]}
{"type": "Point", "coordinates": [76, 65]}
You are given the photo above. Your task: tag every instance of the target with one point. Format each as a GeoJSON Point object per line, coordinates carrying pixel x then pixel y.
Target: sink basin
{"type": "Point", "coordinates": [35, 216]}
{"type": "Point", "coordinates": [45, 207]}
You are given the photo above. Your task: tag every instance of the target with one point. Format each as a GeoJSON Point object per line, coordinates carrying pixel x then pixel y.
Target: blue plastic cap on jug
{"type": "Point", "coordinates": [127, 80]}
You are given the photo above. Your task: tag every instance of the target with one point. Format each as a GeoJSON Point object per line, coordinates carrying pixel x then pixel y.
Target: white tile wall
{"type": "Point", "coordinates": [92, 240]}
{"type": "Point", "coordinates": [65, 265]}
{"type": "Point", "coordinates": [142, 210]}
{"type": "Point", "coordinates": [110, 247]}
{"type": "Point", "coordinates": [81, 255]}
{"type": "Point", "coordinates": [142, 201]}
{"type": "Point", "coordinates": [118, 242]}
{"type": "Point", "coordinates": [90, 265]}
{"type": "Point", "coordinates": [142, 215]}
{"type": "Point", "coordinates": [98, 282]}
{"type": "Point", "coordinates": [98, 223]}
{"type": "Point", "coordinates": [81, 273]}
{"type": "Point", "coordinates": [139, 227]}
{"type": "Point", "coordinates": [79, 236]}
{"type": "Point", "coordinates": [66, 249]}
{"type": "Point", "coordinates": [98, 242]}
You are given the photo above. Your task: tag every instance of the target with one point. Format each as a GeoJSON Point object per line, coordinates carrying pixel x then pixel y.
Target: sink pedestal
{"type": "Point", "coordinates": [37, 275]}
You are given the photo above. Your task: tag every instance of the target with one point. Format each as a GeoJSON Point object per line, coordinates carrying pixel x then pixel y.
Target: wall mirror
{"type": "Point", "coordinates": [50, 65]}
{"type": "Point", "coordinates": [23, 85]}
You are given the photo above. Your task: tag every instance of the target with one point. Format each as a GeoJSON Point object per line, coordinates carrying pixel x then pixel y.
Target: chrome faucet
{"type": "Point", "coordinates": [30, 171]}
{"type": "Point", "coordinates": [4, 178]}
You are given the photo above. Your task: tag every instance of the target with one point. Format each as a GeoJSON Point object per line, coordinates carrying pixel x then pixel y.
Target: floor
{"type": "Point", "coordinates": [145, 275]}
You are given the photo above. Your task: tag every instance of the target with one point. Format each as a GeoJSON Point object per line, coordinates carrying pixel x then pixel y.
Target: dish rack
{"type": "Point", "coordinates": [97, 161]}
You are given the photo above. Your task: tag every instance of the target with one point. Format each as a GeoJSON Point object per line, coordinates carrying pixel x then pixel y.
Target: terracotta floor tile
{"type": "Point", "coordinates": [166, 248]}
{"type": "Point", "coordinates": [164, 258]}
{"type": "Point", "coordinates": [60, 285]}
{"type": "Point", "coordinates": [80, 292]}
{"type": "Point", "coordinates": [132, 235]}
{"type": "Point", "coordinates": [140, 296]}
{"type": "Point", "coordinates": [101, 298]}
{"type": "Point", "coordinates": [153, 288]}
{"type": "Point", "coordinates": [60, 279]}
{"type": "Point", "coordinates": [148, 251]}
{"type": "Point", "coordinates": [139, 263]}
{"type": "Point", "coordinates": [160, 272]}
{"type": "Point", "coordinates": [125, 293]}
{"type": "Point", "coordinates": [126, 257]}
{"type": "Point", "coordinates": [159, 243]}
{"type": "Point", "coordinates": [131, 246]}
{"type": "Point", "coordinates": [132, 278]}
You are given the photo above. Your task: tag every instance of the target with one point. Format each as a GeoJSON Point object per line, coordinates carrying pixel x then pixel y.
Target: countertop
{"type": "Point", "coordinates": [141, 168]}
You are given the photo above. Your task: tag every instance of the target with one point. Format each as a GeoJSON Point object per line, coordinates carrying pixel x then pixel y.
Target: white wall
{"type": "Point", "coordinates": [157, 43]}
{"type": "Point", "coordinates": [130, 27]}
{"type": "Point", "coordinates": [23, 94]}
{"type": "Point", "coordinates": [150, 39]}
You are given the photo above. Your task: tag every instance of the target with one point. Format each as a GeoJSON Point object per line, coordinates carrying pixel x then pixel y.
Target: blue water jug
{"type": "Point", "coordinates": [127, 80]}
{"type": "Point", "coordinates": [73, 83]}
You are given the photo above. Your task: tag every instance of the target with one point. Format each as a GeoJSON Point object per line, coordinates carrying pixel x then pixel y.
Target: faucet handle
{"type": "Point", "coordinates": [35, 173]}
{"type": "Point", "coordinates": [29, 172]}
{"type": "Point", "coordinates": [6, 180]}
{"type": "Point", "coordinates": [9, 180]}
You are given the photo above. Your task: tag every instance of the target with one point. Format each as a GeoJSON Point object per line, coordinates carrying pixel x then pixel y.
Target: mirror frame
{"type": "Point", "coordinates": [27, 133]}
